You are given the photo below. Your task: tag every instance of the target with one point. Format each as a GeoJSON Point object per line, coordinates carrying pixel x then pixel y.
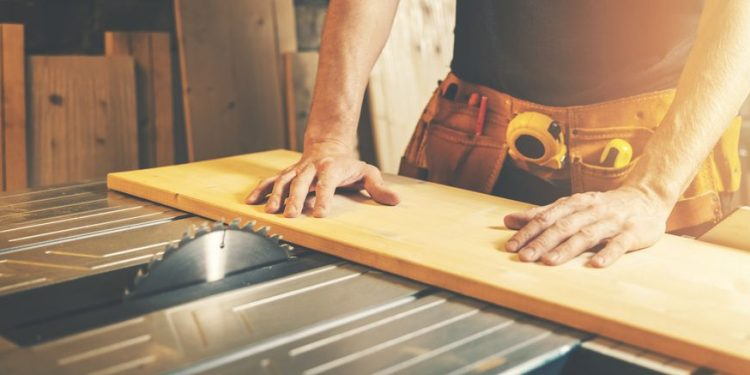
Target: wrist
{"type": "Point", "coordinates": [655, 197]}
{"type": "Point", "coordinates": [328, 146]}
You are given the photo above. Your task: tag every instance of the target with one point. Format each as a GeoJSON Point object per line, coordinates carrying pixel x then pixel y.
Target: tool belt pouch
{"type": "Point", "coordinates": [699, 205]}
{"type": "Point", "coordinates": [445, 149]}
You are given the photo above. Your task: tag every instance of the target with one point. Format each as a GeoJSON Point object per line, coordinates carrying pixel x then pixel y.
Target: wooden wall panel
{"type": "Point", "coordinates": [300, 69]}
{"type": "Point", "coordinates": [231, 76]}
{"type": "Point", "coordinates": [417, 54]}
{"type": "Point", "coordinates": [82, 117]}
{"type": "Point", "coordinates": [153, 64]}
{"type": "Point", "coordinates": [682, 297]}
{"type": "Point", "coordinates": [13, 107]}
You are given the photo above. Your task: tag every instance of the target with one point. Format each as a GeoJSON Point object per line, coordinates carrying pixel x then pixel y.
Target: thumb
{"type": "Point", "coordinates": [377, 188]}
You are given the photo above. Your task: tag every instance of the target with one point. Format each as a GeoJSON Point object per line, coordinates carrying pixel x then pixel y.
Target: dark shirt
{"type": "Point", "coordinates": [570, 52]}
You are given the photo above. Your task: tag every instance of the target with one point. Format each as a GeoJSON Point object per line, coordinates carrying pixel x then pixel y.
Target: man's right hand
{"type": "Point", "coordinates": [322, 169]}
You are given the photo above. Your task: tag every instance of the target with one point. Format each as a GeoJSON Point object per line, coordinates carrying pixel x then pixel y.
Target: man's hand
{"type": "Point", "coordinates": [621, 220]}
{"type": "Point", "coordinates": [322, 169]}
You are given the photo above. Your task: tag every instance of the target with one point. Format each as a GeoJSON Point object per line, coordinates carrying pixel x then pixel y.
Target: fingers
{"type": "Point", "coordinates": [259, 193]}
{"type": "Point", "coordinates": [328, 181]}
{"type": "Point", "coordinates": [615, 248]}
{"type": "Point", "coordinates": [557, 234]}
{"type": "Point", "coordinates": [517, 220]}
{"type": "Point", "coordinates": [545, 219]}
{"type": "Point", "coordinates": [586, 239]}
{"type": "Point", "coordinates": [280, 190]}
{"type": "Point", "coordinates": [377, 189]}
{"type": "Point", "coordinates": [537, 225]}
{"type": "Point", "coordinates": [297, 181]}
{"type": "Point", "coordinates": [298, 191]}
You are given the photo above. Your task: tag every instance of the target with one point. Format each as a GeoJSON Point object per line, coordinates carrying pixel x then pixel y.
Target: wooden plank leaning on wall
{"type": "Point", "coordinates": [82, 117]}
{"type": "Point", "coordinates": [300, 69]}
{"type": "Point", "coordinates": [417, 54]}
{"type": "Point", "coordinates": [13, 167]}
{"type": "Point", "coordinates": [153, 63]}
{"type": "Point", "coordinates": [230, 63]}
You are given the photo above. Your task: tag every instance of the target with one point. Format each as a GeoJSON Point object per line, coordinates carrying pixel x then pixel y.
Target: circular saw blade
{"type": "Point", "coordinates": [209, 255]}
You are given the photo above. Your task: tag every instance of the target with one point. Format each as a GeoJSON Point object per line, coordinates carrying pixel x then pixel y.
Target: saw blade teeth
{"type": "Point", "coordinates": [219, 225]}
{"type": "Point", "coordinates": [202, 230]}
{"type": "Point", "coordinates": [169, 249]}
{"type": "Point", "coordinates": [184, 240]}
{"type": "Point", "coordinates": [275, 238]}
{"type": "Point", "coordinates": [149, 265]}
{"type": "Point", "coordinates": [235, 224]}
{"type": "Point", "coordinates": [263, 231]}
{"type": "Point", "coordinates": [251, 224]}
{"type": "Point", "coordinates": [288, 249]}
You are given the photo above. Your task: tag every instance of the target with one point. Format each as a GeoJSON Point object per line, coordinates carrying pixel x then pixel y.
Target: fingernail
{"type": "Point", "coordinates": [512, 245]}
{"type": "Point", "coordinates": [527, 253]}
{"type": "Point", "coordinates": [290, 211]}
{"type": "Point", "coordinates": [271, 207]}
{"type": "Point", "coordinates": [552, 256]}
{"type": "Point", "coordinates": [599, 261]}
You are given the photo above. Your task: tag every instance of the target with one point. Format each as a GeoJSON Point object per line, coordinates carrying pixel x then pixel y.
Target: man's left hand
{"type": "Point", "coordinates": [620, 220]}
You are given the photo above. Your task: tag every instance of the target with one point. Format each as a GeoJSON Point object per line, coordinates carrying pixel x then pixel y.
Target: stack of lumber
{"type": "Point", "coordinates": [153, 63]}
{"type": "Point", "coordinates": [91, 115]}
{"type": "Point", "coordinates": [682, 297]}
{"type": "Point", "coordinates": [86, 116]}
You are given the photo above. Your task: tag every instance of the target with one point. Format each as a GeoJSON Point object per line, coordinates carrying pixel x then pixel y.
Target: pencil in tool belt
{"type": "Point", "coordinates": [481, 116]}
{"type": "Point", "coordinates": [473, 100]}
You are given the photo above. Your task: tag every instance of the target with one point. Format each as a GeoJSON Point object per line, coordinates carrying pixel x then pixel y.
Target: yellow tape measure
{"type": "Point", "coordinates": [536, 138]}
{"type": "Point", "coordinates": [616, 154]}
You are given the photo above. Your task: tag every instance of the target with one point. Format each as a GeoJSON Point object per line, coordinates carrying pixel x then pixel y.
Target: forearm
{"type": "Point", "coordinates": [713, 85]}
{"type": "Point", "coordinates": [354, 34]}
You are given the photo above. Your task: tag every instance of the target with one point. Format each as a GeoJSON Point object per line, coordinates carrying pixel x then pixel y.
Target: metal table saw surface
{"type": "Point", "coordinates": [312, 314]}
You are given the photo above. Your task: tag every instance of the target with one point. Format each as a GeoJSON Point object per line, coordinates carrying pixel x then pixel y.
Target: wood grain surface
{"type": "Point", "coordinates": [13, 107]}
{"type": "Point", "coordinates": [82, 117]}
{"type": "Point", "coordinates": [300, 69]}
{"type": "Point", "coordinates": [682, 297]}
{"type": "Point", "coordinates": [153, 63]}
{"type": "Point", "coordinates": [231, 75]}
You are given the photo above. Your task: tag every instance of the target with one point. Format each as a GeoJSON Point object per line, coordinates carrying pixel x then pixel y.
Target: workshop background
{"type": "Point", "coordinates": [94, 86]}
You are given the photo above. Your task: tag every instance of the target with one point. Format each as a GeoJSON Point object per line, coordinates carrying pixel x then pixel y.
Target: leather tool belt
{"type": "Point", "coordinates": [446, 148]}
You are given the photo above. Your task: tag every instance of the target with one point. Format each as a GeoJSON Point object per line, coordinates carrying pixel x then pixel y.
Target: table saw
{"type": "Point", "coordinates": [91, 282]}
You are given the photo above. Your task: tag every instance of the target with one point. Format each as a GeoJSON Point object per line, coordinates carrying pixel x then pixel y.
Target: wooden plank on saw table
{"type": "Point", "coordinates": [153, 63]}
{"type": "Point", "coordinates": [231, 76]}
{"type": "Point", "coordinates": [82, 117]}
{"type": "Point", "coordinates": [13, 107]}
{"type": "Point", "coordinates": [682, 297]}
{"type": "Point", "coordinates": [416, 56]}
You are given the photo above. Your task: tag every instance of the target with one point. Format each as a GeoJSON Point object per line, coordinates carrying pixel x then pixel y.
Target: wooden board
{"type": "Point", "coordinates": [300, 69]}
{"type": "Point", "coordinates": [153, 63]}
{"type": "Point", "coordinates": [683, 298]}
{"type": "Point", "coordinates": [731, 231]}
{"type": "Point", "coordinates": [82, 117]}
{"type": "Point", "coordinates": [284, 16]}
{"type": "Point", "coordinates": [13, 107]}
{"type": "Point", "coordinates": [416, 56]}
{"type": "Point", "coordinates": [231, 76]}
